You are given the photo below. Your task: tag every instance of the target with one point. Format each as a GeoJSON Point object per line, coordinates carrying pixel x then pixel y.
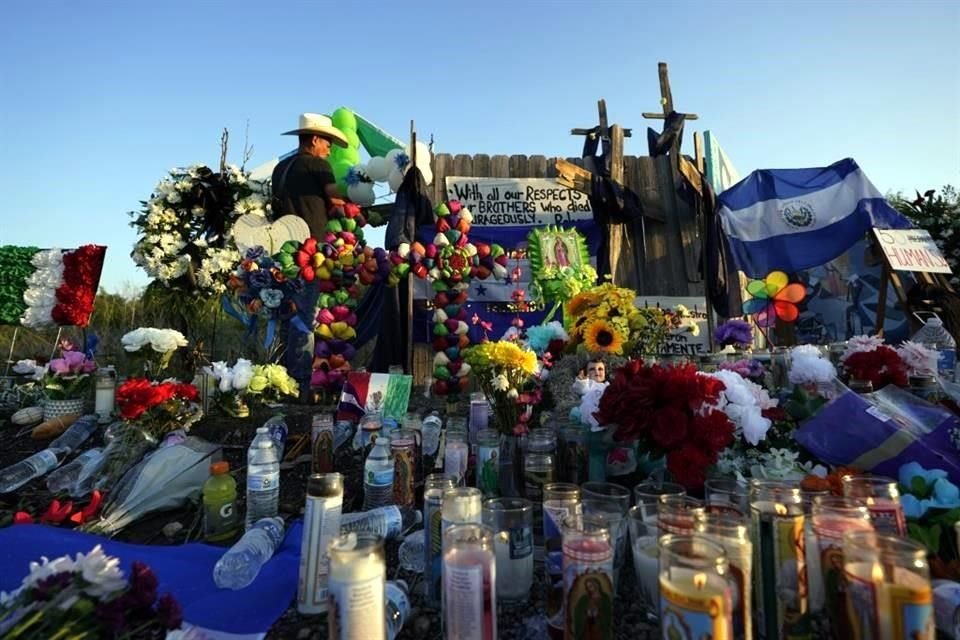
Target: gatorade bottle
{"type": "Point", "coordinates": [934, 335]}
{"type": "Point", "coordinates": [221, 519]}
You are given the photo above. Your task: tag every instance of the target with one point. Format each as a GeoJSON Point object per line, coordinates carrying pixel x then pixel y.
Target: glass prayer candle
{"type": "Point", "coordinates": [412, 423]}
{"type": "Point", "coordinates": [889, 596]}
{"type": "Point", "coordinates": [644, 543]}
{"type": "Point", "coordinates": [695, 600]}
{"type": "Point", "coordinates": [588, 591]}
{"type": "Point", "coordinates": [356, 586]}
{"type": "Point", "coordinates": [433, 489]}
{"type": "Point", "coordinates": [488, 462]}
{"type": "Point", "coordinates": [370, 426]}
{"type": "Point", "coordinates": [780, 585]}
{"type": "Point", "coordinates": [456, 456]}
{"type": "Point", "coordinates": [538, 470]}
{"type": "Point", "coordinates": [469, 584]}
{"type": "Point", "coordinates": [732, 532]}
{"type": "Point", "coordinates": [675, 514]}
{"type": "Point", "coordinates": [561, 500]}
{"type": "Point", "coordinates": [479, 413]}
{"type": "Point", "coordinates": [574, 463]}
{"type": "Point", "coordinates": [321, 524]}
{"type": "Point", "coordinates": [726, 495]}
{"type": "Point", "coordinates": [882, 498]}
{"type": "Point", "coordinates": [612, 501]}
{"type": "Point", "coordinates": [321, 443]}
{"type": "Point", "coordinates": [647, 496]}
{"type": "Point", "coordinates": [105, 393]}
{"type": "Point", "coordinates": [461, 505]}
{"type": "Point", "coordinates": [403, 447]}
{"type": "Point", "coordinates": [832, 518]}
{"type": "Point", "coordinates": [511, 520]}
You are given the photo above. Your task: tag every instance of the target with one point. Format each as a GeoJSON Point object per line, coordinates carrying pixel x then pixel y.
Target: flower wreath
{"type": "Point", "coordinates": [185, 227]}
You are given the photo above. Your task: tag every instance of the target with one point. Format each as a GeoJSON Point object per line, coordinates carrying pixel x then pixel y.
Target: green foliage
{"type": "Point", "coordinates": [940, 215]}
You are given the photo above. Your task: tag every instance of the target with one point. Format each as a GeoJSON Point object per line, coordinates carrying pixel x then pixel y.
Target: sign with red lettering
{"type": "Point", "coordinates": [911, 250]}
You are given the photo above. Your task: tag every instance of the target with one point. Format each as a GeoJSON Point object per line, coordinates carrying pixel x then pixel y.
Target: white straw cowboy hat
{"type": "Point", "coordinates": [320, 125]}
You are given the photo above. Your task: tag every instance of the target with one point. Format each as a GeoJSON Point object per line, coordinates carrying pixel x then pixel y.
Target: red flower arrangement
{"type": "Point", "coordinates": [159, 406]}
{"type": "Point", "coordinates": [668, 410]}
{"type": "Point", "coordinates": [81, 277]}
{"type": "Point", "coordinates": [881, 366]}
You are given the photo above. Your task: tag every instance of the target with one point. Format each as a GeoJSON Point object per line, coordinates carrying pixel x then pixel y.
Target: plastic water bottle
{"type": "Point", "coordinates": [78, 433]}
{"type": "Point", "coordinates": [398, 607]}
{"type": "Point", "coordinates": [431, 427]}
{"type": "Point", "coordinates": [263, 478]}
{"type": "Point", "coordinates": [387, 522]}
{"type": "Point", "coordinates": [277, 426]}
{"type": "Point", "coordinates": [934, 335]}
{"type": "Point", "coordinates": [66, 476]}
{"type": "Point", "coordinates": [240, 565]}
{"type": "Point", "coordinates": [19, 474]}
{"type": "Point", "coordinates": [378, 476]}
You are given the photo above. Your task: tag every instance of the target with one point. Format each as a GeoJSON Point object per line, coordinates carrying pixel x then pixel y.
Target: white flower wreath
{"type": "Point", "coordinates": [186, 227]}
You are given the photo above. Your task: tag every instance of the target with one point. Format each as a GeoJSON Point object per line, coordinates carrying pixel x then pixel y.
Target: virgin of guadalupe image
{"type": "Point", "coordinates": [560, 252]}
{"type": "Point", "coordinates": [591, 612]}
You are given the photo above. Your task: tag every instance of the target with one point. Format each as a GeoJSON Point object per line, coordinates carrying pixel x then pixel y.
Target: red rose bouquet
{"type": "Point", "coordinates": [151, 411]}
{"type": "Point", "coordinates": [670, 411]}
{"type": "Point", "coordinates": [881, 366]}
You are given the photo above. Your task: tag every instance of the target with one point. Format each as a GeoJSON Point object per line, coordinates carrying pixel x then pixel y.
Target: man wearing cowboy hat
{"type": "Point", "coordinates": [303, 184]}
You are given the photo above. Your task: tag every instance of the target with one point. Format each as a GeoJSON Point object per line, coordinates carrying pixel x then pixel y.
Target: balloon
{"type": "Point", "coordinates": [393, 155]}
{"type": "Point", "coordinates": [395, 179]}
{"type": "Point", "coordinates": [351, 154]}
{"type": "Point", "coordinates": [423, 155]}
{"type": "Point", "coordinates": [361, 194]}
{"type": "Point", "coordinates": [352, 139]}
{"type": "Point", "coordinates": [378, 169]}
{"type": "Point", "coordinates": [426, 172]}
{"type": "Point", "coordinates": [344, 120]}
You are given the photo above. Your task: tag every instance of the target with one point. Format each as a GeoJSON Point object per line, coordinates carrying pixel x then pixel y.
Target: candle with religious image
{"type": "Point", "coordinates": [889, 595]}
{"type": "Point", "coordinates": [456, 456]}
{"type": "Point", "coordinates": [488, 462]}
{"type": "Point", "coordinates": [588, 591]}
{"type": "Point", "coordinates": [882, 497]}
{"type": "Point", "coordinates": [321, 524]}
{"type": "Point", "coordinates": [560, 501]}
{"type": "Point", "coordinates": [832, 517]}
{"type": "Point", "coordinates": [469, 583]}
{"type": "Point", "coordinates": [511, 520]}
{"type": "Point", "coordinates": [356, 588]}
{"type": "Point", "coordinates": [732, 532]}
{"type": "Point", "coordinates": [433, 489]}
{"type": "Point", "coordinates": [695, 593]}
{"type": "Point", "coordinates": [403, 448]}
{"type": "Point", "coordinates": [780, 577]}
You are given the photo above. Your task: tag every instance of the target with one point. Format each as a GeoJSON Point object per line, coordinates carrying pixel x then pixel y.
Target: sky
{"type": "Point", "coordinates": [98, 100]}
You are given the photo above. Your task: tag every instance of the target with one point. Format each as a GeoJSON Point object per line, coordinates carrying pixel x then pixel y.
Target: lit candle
{"type": "Point", "coordinates": [587, 579]}
{"type": "Point", "coordinates": [889, 596]}
{"type": "Point", "coordinates": [356, 585]}
{"type": "Point", "coordinates": [511, 520]}
{"type": "Point", "coordinates": [455, 456]}
{"type": "Point", "coordinates": [106, 387]}
{"type": "Point", "coordinates": [695, 599]}
{"type": "Point", "coordinates": [732, 532]}
{"type": "Point", "coordinates": [882, 497]}
{"type": "Point", "coordinates": [560, 501]}
{"type": "Point", "coordinates": [832, 517]}
{"type": "Point", "coordinates": [469, 584]}
{"type": "Point", "coordinates": [780, 585]}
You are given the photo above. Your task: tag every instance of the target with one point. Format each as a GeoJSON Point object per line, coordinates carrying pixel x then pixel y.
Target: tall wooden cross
{"type": "Point", "coordinates": [680, 164]}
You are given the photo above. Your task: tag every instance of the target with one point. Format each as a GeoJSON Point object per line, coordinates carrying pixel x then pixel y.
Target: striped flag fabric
{"type": "Point", "coordinates": [795, 219]}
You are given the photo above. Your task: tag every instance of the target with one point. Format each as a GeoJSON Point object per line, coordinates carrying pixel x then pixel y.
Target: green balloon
{"type": "Point", "coordinates": [340, 169]}
{"type": "Point", "coordinates": [352, 139]}
{"type": "Point", "coordinates": [344, 120]}
{"type": "Point", "coordinates": [351, 156]}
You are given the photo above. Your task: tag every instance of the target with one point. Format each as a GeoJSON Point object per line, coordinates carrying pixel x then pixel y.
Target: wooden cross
{"type": "Point", "coordinates": [579, 178]}
{"type": "Point", "coordinates": [689, 171]}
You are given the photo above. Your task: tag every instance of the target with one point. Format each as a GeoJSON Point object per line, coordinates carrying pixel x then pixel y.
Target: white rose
{"type": "Point", "coordinates": [134, 340]}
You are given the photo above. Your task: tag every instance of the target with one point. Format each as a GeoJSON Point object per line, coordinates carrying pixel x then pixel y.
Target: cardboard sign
{"type": "Point", "coordinates": [682, 343]}
{"type": "Point", "coordinates": [911, 250]}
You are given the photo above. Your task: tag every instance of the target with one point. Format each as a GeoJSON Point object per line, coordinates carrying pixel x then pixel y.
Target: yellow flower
{"type": "Point", "coordinates": [579, 303]}
{"type": "Point", "coordinates": [511, 355]}
{"type": "Point", "coordinates": [258, 383]}
{"type": "Point", "coordinates": [602, 337]}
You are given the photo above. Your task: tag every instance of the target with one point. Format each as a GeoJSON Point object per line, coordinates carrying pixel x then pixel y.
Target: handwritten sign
{"type": "Point", "coordinates": [911, 250]}
{"type": "Point", "coordinates": [526, 202]}
{"type": "Point", "coordinates": [683, 342]}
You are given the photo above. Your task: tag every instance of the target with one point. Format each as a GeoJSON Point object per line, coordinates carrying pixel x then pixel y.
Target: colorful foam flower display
{"type": "Point", "coordinates": [265, 287]}
{"type": "Point", "coordinates": [774, 297]}
{"type": "Point", "coordinates": [450, 261]}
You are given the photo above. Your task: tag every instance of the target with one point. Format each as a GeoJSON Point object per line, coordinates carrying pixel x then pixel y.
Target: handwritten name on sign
{"type": "Point", "coordinates": [682, 342]}
{"type": "Point", "coordinates": [516, 202]}
{"type": "Point", "coordinates": [911, 250]}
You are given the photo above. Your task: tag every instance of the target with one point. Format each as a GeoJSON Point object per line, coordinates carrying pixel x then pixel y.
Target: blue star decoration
{"type": "Point", "coordinates": [481, 290]}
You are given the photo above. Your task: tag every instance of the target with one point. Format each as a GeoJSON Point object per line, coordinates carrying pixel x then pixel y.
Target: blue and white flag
{"type": "Point", "coordinates": [794, 219]}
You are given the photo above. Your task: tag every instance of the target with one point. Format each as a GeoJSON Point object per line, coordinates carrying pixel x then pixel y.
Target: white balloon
{"type": "Point", "coordinates": [423, 155]}
{"type": "Point", "coordinates": [361, 194]}
{"type": "Point", "coordinates": [426, 173]}
{"type": "Point", "coordinates": [395, 179]}
{"type": "Point", "coordinates": [392, 156]}
{"type": "Point", "coordinates": [379, 169]}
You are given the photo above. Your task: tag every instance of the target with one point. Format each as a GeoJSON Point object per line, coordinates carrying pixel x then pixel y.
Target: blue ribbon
{"type": "Point", "coordinates": [271, 331]}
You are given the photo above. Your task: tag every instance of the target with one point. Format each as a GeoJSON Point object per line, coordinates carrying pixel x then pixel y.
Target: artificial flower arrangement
{"type": "Point", "coordinates": [69, 377]}
{"type": "Point", "coordinates": [734, 333]}
{"type": "Point", "coordinates": [185, 240]}
{"type": "Point", "coordinates": [271, 381]}
{"type": "Point", "coordinates": [506, 371]}
{"type": "Point", "coordinates": [232, 383]}
{"type": "Point", "coordinates": [931, 505]}
{"type": "Point", "coordinates": [150, 411]}
{"type": "Point", "coordinates": [559, 264]}
{"type": "Point", "coordinates": [606, 320]}
{"type": "Point", "coordinates": [868, 359]}
{"type": "Point", "coordinates": [671, 411]}
{"type": "Point", "coordinates": [64, 512]}
{"type": "Point", "coordinates": [151, 349]}
{"type": "Point", "coordinates": [919, 359]}
{"type": "Point", "coordinates": [266, 287]}
{"type": "Point", "coordinates": [87, 596]}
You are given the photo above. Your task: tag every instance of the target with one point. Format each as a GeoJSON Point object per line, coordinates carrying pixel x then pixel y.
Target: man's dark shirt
{"type": "Point", "coordinates": [302, 192]}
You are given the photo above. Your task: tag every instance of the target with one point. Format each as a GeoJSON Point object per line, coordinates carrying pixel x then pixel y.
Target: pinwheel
{"type": "Point", "coordinates": [774, 297]}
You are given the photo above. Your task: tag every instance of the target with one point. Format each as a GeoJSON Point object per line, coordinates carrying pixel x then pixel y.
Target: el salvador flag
{"type": "Point", "coordinates": [794, 219]}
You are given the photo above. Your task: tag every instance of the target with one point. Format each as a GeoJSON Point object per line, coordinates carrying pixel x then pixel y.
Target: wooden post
{"type": "Point", "coordinates": [408, 365]}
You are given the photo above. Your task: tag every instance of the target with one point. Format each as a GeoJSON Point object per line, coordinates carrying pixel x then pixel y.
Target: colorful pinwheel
{"type": "Point", "coordinates": [774, 297]}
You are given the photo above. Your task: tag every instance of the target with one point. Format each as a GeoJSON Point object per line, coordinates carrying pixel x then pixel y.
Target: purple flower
{"type": "Point", "coordinates": [737, 332]}
{"type": "Point", "coordinates": [59, 366]}
{"type": "Point", "coordinates": [143, 586]}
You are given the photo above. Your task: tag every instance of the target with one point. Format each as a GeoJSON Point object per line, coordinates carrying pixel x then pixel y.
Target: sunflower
{"type": "Point", "coordinates": [602, 337]}
{"type": "Point", "coordinates": [579, 303]}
